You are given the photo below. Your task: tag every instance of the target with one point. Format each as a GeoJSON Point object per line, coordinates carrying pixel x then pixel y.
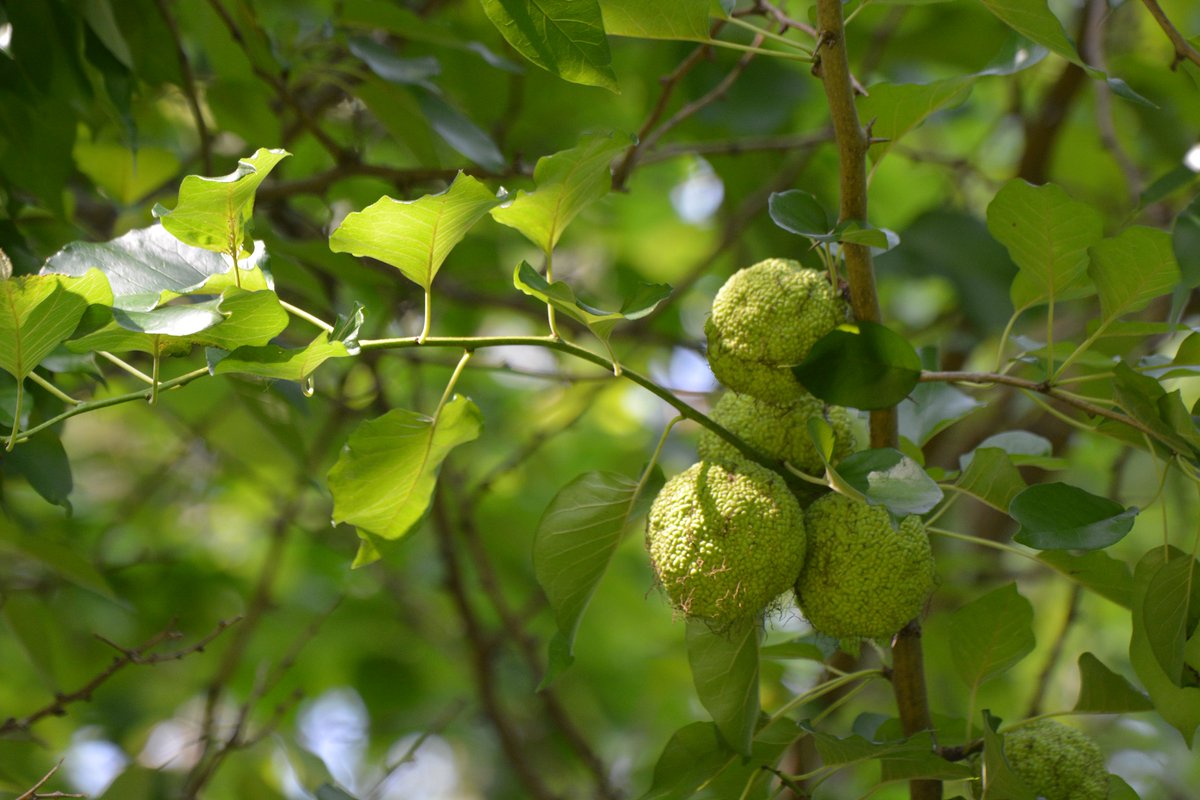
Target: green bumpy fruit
{"type": "Point", "coordinates": [1057, 762]}
{"type": "Point", "coordinates": [863, 578]}
{"type": "Point", "coordinates": [779, 431]}
{"type": "Point", "coordinates": [764, 321]}
{"type": "Point", "coordinates": [725, 541]}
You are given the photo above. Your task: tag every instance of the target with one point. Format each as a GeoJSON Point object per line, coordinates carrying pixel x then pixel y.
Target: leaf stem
{"type": "Point", "coordinates": [454, 376]}
{"type": "Point", "coordinates": [125, 365]}
{"type": "Point", "coordinates": [766, 34]}
{"type": "Point", "coordinates": [295, 311]}
{"type": "Point", "coordinates": [428, 318]}
{"type": "Point", "coordinates": [662, 440]}
{"type": "Point", "coordinates": [12, 437]}
{"type": "Point", "coordinates": [54, 390]}
{"type": "Point", "coordinates": [154, 373]}
{"type": "Point", "coordinates": [550, 309]}
{"type": "Point", "coordinates": [745, 48]}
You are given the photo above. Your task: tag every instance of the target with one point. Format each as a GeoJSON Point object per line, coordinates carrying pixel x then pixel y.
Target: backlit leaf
{"type": "Point", "coordinates": [725, 671]}
{"type": "Point", "coordinates": [565, 37]}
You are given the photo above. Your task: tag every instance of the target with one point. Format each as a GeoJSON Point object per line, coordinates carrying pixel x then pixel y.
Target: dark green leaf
{"type": "Point", "coordinates": [887, 477]}
{"type": "Point", "coordinates": [391, 67]}
{"type": "Point", "coordinates": [384, 480]}
{"type": "Point", "coordinates": [1058, 516]}
{"type": "Point", "coordinates": [1143, 398]}
{"type": "Point", "coordinates": [1048, 235]}
{"type": "Point", "coordinates": [1185, 240]}
{"type": "Point", "coordinates": [415, 236]}
{"type": "Point", "coordinates": [43, 461]}
{"type": "Point", "coordinates": [801, 213]}
{"type": "Point", "coordinates": [457, 129]}
{"type": "Point", "coordinates": [725, 672]}
{"type": "Point", "coordinates": [577, 536]}
{"type": "Point", "coordinates": [932, 406]}
{"type": "Point", "coordinates": [565, 37]}
{"type": "Point", "coordinates": [213, 213]}
{"type": "Point", "coordinates": [917, 759]}
{"type": "Point", "coordinates": [1102, 691]}
{"type": "Point", "coordinates": [1023, 448]}
{"type": "Point", "coordinates": [861, 366]}
{"type": "Point", "coordinates": [810, 647]}
{"type": "Point", "coordinates": [566, 183]}
{"type": "Point", "coordinates": [989, 635]}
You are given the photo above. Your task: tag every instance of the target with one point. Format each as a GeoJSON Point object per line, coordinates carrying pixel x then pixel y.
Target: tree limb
{"type": "Point", "coordinates": [1183, 49]}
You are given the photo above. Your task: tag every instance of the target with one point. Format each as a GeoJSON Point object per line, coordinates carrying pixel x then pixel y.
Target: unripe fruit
{"type": "Point", "coordinates": [725, 541]}
{"type": "Point", "coordinates": [764, 321]}
{"type": "Point", "coordinates": [1057, 762]}
{"type": "Point", "coordinates": [863, 578]}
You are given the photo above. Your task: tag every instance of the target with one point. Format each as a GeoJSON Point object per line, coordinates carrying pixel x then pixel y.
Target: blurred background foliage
{"type": "Point", "coordinates": [416, 677]}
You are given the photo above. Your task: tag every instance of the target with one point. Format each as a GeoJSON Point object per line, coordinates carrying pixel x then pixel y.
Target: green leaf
{"type": "Point", "coordinates": [865, 365]}
{"type": "Point", "coordinates": [1144, 399]}
{"type": "Point", "coordinates": [250, 319]}
{"type": "Point", "coordinates": [43, 462]}
{"type": "Point", "coordinates": [1185, 237]}
{"type": "Point", "coordinates": [801, 213]}
{"type": "Point", "coordinates": [897, 108]}
{"type": "Point", "coordinates": [933, 406]}
{"type": "Point", "coordinates": [1179, 706]}
{"type": "Point", "coordinates": [213, 213]}
{"type": "Point", "coordinates": [917, 759]}
{"type": "Point", "coordinates": [564, 37]}
{"type": "Point", "coordinates": [1118, 789]}
{"type": "Point", "coordinates": [577, 537]}
{"type": "Point", "coordinates": [989, 635]}
{"type": "Point", "coordinates": [566, 183]}
{"type": "Point", "coordinates": [1169, 609]}
{"type": "Point", "coordinates": [992, 478]}
{"type": "Point", "coordinates": [1095, 570]}
{"type": "Point", "coordinates": [1000, 781]}
{"type": "Point", "coordinates": [1102, 691]}
{"type": "Point", "coordinates": [1048, 235]}
{"type": "Point", "coordinates": [601, 323]}
{"type": "Point", "coordinates": [1132, 269]}
{"type": "Point", "coordinates": [697, 762]}
{"type": "Point", "coordinates": [415, 236]}
{"type": "Point", "coordinates": [1034, 20]}
{"type": "Point", "coordinates": [272, 361]}
{"type": "Point", "coordinates": [37, 313]}
{"type": "Point", "coordinates": [383, 481]}
{"type": "Point", "coordinates": [1058, 516]}
{"type": "Point", "coordinates": [384, 62]}
{"type": "Point", "coordinates": [1023, 448]}
{"type": "Point", "coordinates": [887, 477]}
{"type": "Point", "coordinates": [725, 672]}
{"type": "Point", "coordinates": [147, 265]}
{"type": "Point", "coordinates": [679, 19]}
{"type": "Point", "coordinates": [810, 647]}
{"type": "Point", "coordinates": [460, 132]}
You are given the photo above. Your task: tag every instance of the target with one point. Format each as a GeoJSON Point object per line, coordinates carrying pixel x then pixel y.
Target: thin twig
{"type": "Point", "coordinates": [189, 87]}
{"type": "Point", "coordinates": [1183, 50]}
{"type": "Point", "coordinates": [34, 794]}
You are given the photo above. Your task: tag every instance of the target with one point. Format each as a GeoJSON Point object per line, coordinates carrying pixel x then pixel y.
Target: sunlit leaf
{"type": "Point", "coordinates": [679, 19]}
{"type": "Point", "coordinates": [565, 183]}
{"type": "Point", "coordinates": [37, 313]}
{"type": "Point", "coordinates": [281, 363]}
{"type": "Point", "coordinates": [891, 479]}
{"type": "Point", "coordinates": [213, 213]}
{"type": "Point", "coordinates": [1132, 269]}
{"type": "Point", "coordinates": [565, 37]}
{"type": "Point", "coordinates": [383, 481]}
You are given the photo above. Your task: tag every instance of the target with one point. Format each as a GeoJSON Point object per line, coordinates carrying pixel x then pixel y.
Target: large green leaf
{"type": "Point", "coordinates": [799, 212]}
{"type": "Point", "coordinates": [273, 361]}
{"type": "Point", "coordinates": [1095, 570]}
{"type": "Point", "coordinates": [888, 478]}
{"type": "Point", "coordinates": [577, 536]}
{"type": "Point", "coordinates": [725, 672]}
{"type": "Point", "coordinates": [601, 323]}
{"type": "Point", "coordinates": [1048, 235]}
{"type": "Point", "coordinates": [459, 131]}
{"type": "Point", "coordinates": [213, 213]}
{"type": "Point", "coordinates": [1102, 691]}
{"type": "Point", "coordinates": [989, 635]}
{"type": "Point", "coordinates": [1000, 780]}
{"type": "Point", "coordinates": [565, 183]}
{"type": "Point", "coordinates": [415, 236]}
{"type": "Point", "coordinates": [1144, 399]}
{"type": "Point", "coordinates": [864, 365]}
{"type": "Point", "coordinates": [384, 480]}
{"type": "Point", "coordinates": [1132, 269]}
{"type": "Point", "coordinates": [1058, 516]}
{"type": "Point", "coordinates": [147, 265]}
{"type": "Point", "coordinates": [1179, 706]}
{"type": "Point", "coordinates": [933, 406]}
{"type": "Point", "coordinates": [679, 19]}
{"type": "Point", "coordinates": [565, 37]}
{"type": "Point", "coordinates": [1169, 610]}
{"type": "Point", "coordinates": [38, 312]}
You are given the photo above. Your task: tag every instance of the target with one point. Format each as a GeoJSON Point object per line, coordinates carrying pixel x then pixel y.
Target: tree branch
{"type": "Point", "coordinates": [1183, 49]}
{"type": "Point", "coordinates": [833, 67]}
